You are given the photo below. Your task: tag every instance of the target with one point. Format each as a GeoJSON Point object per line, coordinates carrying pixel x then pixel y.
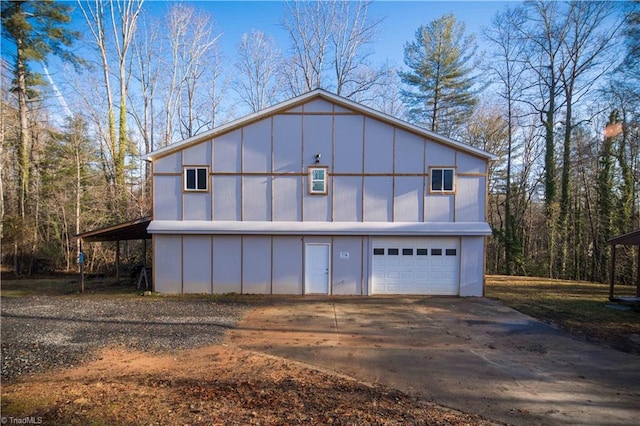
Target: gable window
{"type": "Point", "coordinates": [442, 180]}
{"type": "Point", "coordinates": [318, 180]}
{"type": "Point", "coordinates": [196, 178]}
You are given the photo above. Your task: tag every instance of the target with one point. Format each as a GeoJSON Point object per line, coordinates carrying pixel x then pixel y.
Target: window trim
{"type": "Point", "coordinates": [442, 191]}
{"type": "Point", "coordinates": [196, 168]}
{"type": "Point", "coordinates": [310, 189]}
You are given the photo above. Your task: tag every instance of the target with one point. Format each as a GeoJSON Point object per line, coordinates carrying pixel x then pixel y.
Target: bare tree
{"type": "Point", "coordinates": [351, 33]}
{"type": "Point", "coordinates": [193, 58]}
{"type": "Point", "coordinates": [506, 66]}
{"type": "Point", "coordinates": [308, 24]}
{"type": "Point", "coordinates": [584, 60]}
{"type": "Point", "coordinates": [121, 16]}
{"type": "Point", "coordinates": [329, 43]}
{"type": "Point", "coordinates": [545, 37]}
{"type": "Point", "coordinates": [258, 79]}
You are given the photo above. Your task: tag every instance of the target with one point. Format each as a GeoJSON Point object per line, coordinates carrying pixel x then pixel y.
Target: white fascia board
{"type": "Point", "coordinates": [203, 227]}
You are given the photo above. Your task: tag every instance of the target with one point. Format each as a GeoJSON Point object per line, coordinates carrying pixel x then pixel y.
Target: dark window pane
{"type": "Point", "coordinates": [450, 252]}
{"type": "Point", "coordinates": [378, 251]}
{"type": "Point", "coordinates": [436, 180]}
{"type": "Point", "coordinates": [448, 180]}
{"type": "Point", "coordinates": [436, 252]}
{"type": "Point", "coordinates": [392, 252]}
{"type": "Point", "coordinates": [422, 252]}
{"type": "Point", "coordinates": [407, 252]}
{"type": "Point", "coordinates": [202, 179]}
{"type": "Point", "coordinates": [191, 179]}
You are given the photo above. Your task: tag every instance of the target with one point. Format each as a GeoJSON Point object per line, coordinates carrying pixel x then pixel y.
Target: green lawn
{"type": "Point", "coordinates": [577, 306]}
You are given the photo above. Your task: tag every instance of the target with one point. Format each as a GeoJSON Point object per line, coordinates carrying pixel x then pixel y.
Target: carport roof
{"type": "Point", "coordinates": [630, 239]}
{"type": "Point", "coordinates": [133, 230]}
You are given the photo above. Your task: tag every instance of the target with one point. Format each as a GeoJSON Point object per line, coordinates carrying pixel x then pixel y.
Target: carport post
{"type": "Point", "coordinates": [638, 274]}
{"type": "Point", "coordinates": [612, 271]}
{"type": "Point", "coordinates": [81, 262]}
{"type": "Point", "coordinates": [118, 260]}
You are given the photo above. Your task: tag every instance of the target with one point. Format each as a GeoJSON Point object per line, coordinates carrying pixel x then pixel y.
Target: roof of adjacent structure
{"type": "Point", "coordinates": [330, 97]}
{"type": "Point", "coordinates": [630, 239]}
{"type": "Point", "coordinates": [133, 230]}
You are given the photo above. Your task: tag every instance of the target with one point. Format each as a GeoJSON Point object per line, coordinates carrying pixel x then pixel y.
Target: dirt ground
{"type": "Point", "coordinates": [218, 384]}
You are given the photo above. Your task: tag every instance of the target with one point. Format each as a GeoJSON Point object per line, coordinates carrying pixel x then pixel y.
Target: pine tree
{"type": "Point", "coordinates": [440, 96]}
{"type": "Point", "coordinates": [37, 28]}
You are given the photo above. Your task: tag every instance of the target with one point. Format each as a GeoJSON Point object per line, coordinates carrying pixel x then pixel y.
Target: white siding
{"type": "Point", "coordinates": [378, 193]}
{"type": "Point", "coordinates": [227, 152]}
{"type": "Point", "coordinates": [347, 196]}
{"type": "Point", "coordinates": [472, 266]}
{"type": "Point", "coordinates": [196, 261]}
{"type": "Point", "coordinates": [348, 144]}
{"type": "Point", "coordinates": [226, 197]}
{"type": "Point", "coordinates": [318, 105]}
{"type": "Point", "coordinates": [469, 205]}
{"type": "Point", "coordinates": [170, 164]}
{"type": "Point", "coordinates": [227, 260]}
{"type": "Point", "coordinates": [256, 198]}
{"type": "Point", "coordinates": [257, 147]}
{"type": "Point", "coordinates": [167, 263]}
{"type": "Point", "coordinates": [378, 150]}
{"type": "Point", "coordinates": [408, 198]}
{"type": "Point", "coordinates": [197, 205]}
{"type": "Point", "coordinates": [469, 164]}
{"type": "Point", "coordinates": [438, 208]}
{"type": "Point", "coordinates": [167, 197]}
{"type": "Point", "coordinates": [316, 207]}
{"type": "Point", "coordinates": [287, 143]}
{"type": "Point", "coordinates": [409, 153]}
{"type": "Point", "coordinates": [439, 155]}
{"type": "Point", "coordinates": [197, 155]}
{"type": "Point", "coordinates": [347, 265]}
{"type": "Point", "coordinates": [287, 265]}
{"type": "Point", "coordinates": [256, 265]}
{"type": "Point", "coordinates": [318, 138]}
{"type": "Point", "coordinates": [287, 198]}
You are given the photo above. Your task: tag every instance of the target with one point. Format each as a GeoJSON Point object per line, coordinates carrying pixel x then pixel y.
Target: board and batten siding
{"type": "Point", "coordinates": [252, 264]}
{"type": "Point", "coordinates": [376, 173]}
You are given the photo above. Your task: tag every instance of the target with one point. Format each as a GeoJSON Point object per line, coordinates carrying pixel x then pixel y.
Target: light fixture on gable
{"type": "Point", "coordinates": [318, 158]}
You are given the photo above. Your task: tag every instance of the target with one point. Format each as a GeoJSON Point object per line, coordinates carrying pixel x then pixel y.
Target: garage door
{"type": "Point", "coordinates": [415, 266]}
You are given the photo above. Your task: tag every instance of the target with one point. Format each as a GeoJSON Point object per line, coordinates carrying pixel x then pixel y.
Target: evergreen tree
{"type": "Point", "coordinates": [37, 28]}
{"type": "Point", "coordinates": [605, 198]}
{"type": "Point", "coordinates": [440, 95]}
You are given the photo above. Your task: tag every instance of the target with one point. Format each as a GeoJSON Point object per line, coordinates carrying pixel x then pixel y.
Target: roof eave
{"type": "Point", "coordinates": [323, 94]}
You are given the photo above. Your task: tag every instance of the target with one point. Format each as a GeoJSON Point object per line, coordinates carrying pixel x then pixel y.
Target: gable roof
{"type": "Point", "coordinates": [307, 97]}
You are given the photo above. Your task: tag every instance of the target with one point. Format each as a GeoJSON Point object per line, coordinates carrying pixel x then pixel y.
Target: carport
{"type": "Point", "coordinates": [132, 230]}
{"type": "Point", "coordinates": [630, 239]}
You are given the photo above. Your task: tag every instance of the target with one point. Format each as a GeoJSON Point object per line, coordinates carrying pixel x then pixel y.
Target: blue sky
{"type": "Point", "coordinates": [400, 20]}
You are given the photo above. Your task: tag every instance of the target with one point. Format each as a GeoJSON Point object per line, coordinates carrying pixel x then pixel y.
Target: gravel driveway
{"type": "Point", "coordinates": [39, 333]}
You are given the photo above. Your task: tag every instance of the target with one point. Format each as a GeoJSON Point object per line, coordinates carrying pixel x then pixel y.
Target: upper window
{"type": "Point", "coordinates": [318, 180]}
{"type": "Point", "coordinates": [196, 179]}
{"type": "Point", "coordinates": [442, 180]}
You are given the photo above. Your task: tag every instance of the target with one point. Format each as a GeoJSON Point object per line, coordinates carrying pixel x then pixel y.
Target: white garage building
{"type": "Point", "coordinates": [319, 195]}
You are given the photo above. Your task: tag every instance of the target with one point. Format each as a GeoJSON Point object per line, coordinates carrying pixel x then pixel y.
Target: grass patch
{"type": "Point", "coordinates": [64, 287]}
{"type": "Point", "coordinates": [577, 306]}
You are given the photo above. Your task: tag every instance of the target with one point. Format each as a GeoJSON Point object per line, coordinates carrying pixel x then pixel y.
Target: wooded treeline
{"type": "Point", "coordinates": [554, 90]}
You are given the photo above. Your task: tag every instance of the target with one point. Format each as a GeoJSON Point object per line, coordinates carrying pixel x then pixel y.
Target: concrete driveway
{"type": "Point", "coordinates": [473, 355]}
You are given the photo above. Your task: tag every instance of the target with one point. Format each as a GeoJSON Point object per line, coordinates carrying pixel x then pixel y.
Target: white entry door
{"type": "Point", "coordinates": [316, 276]}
